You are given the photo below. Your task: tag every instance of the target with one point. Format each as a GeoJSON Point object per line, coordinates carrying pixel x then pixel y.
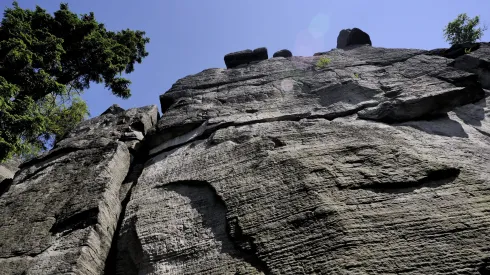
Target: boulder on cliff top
{"type": "Point", "coordinates": [349, 37]}
{"type": "Point", "coordinates": [245, 57]}
{"type": "Point", "coordinates": [283, 53]}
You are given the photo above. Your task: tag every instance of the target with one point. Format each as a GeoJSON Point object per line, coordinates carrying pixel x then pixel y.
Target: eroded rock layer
{"type": "Point", "coordinates": [377, 163]}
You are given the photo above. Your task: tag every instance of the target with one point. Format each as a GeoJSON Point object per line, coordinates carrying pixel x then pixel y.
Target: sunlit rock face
{"type": "Point", "coordinates": [8, 168]}
{"type": "Point", "coordinates": [375, 162]}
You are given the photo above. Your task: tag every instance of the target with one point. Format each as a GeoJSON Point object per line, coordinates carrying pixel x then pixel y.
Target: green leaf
{"type": "Point", "coordinates": [46, 62]}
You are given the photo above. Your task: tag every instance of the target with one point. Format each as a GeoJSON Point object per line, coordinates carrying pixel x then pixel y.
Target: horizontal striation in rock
{"type": "Point", "coordinates": [387, 85]}
{"type": "Point", "coordinates": [318, 197]}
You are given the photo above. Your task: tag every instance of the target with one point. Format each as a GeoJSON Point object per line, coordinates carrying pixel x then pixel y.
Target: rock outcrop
{"type": "Point", "coordinates": [350, 37]}
{"type": "Point", "coordinates": [245, 57]}
{"type": "Point", "coordinates": [8, 169]}
{"type": "Point", "coordinates": [283, 53]}
{"type": "Point", "coordinates": [377, 163]}
{"type": "Point", "coordinates": [7, 172]}
{"type": "Point", "coordinates": [60, 212]}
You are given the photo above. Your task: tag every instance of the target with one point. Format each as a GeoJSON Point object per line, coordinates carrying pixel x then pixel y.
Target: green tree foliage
{"type": "Point", "coordinates": [463, 30]}
{"type": "Point", "coordinates": [46, 62]}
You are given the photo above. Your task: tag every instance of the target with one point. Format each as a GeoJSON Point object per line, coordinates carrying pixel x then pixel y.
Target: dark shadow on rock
{"type": "Point", "coordinates": [455, 51]}
{"type": "Point", "coordinates": [484, 268]}
{"type": "Point", "coordinates": [5, 186]}
{"type": "Point", "coordinates": [78, 220]}
{"type": "Point", "coordinates": [472, 114]}
{"type": "Point", "coordinates": [117, 255]}
{"type": "Point", "coordinates": [204, 198]}
{"type": "Point", "coordinates": [130, 258]}
{"type": "Point", "coordinates": [433, 179]}
{"type": "Point", "coordinates": [351, 93]}
{"type": "Point", "coordinates": [438, 125]}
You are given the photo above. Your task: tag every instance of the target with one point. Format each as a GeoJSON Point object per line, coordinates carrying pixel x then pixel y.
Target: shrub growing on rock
{"type": "Point", "coordinates": [322, 62]}
{"type": "Point", "coordinates": [463, 30]}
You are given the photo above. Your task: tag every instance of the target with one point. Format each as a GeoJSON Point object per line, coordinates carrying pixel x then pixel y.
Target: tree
{"type": "Point", "coordinates": [46, 62]}
{"type": "Point", "coordinates": [463, 30]}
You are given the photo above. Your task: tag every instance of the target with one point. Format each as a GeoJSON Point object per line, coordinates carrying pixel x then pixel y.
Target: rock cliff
{"type": "Point", "coordinates": [373, 161]}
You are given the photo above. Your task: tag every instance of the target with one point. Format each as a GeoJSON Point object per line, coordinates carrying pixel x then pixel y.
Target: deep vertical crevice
{"type": "Point", "coordinates": [132, 179]}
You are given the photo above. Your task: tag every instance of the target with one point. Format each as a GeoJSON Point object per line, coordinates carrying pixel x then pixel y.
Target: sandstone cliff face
{"type": "Point", "coordinates": [377, 163]}
{"type": "Point", "coordinates": [59, 214]}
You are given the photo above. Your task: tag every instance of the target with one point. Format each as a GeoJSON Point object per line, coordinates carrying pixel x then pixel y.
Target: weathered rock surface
{"type": "Point", "coordinates": [350, 37]}
{"type": "Point", "coordinates": [60, 212]}
{"type": "Point", "coordinates": [246, 57]}
{"type": "Point", "coordinates": [377, 163]}
{"type": "Point", "coordinates": [7, 172]}
{"type": "Point", "coordinates": [114, 109]}
{"type": "Point", "coordinates": [283, 53]}
{"type": "Point", "coordinates": [8, 169]}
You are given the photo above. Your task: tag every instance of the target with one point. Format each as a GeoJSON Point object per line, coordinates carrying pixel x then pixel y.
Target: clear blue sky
{"type": "Point", "coordinates": [188, 36]}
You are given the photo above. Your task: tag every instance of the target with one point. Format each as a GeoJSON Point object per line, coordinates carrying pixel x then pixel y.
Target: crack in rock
{"type": "Point", "coordinates": [433, 179]}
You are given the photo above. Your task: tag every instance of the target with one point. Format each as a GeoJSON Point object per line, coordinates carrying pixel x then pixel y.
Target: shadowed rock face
{"type": "Point", "coordinates": [60, 212]}
{"type": "Point", "coordinates": [376, 163]}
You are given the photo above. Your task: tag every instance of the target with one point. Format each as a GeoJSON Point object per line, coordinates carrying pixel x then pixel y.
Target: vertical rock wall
{"type": "Point", "coordinates": [60, 212]}
{"type": "Point", "coordinates": [376, 163]}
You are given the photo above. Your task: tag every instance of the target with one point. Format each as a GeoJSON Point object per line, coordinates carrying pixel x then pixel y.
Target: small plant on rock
{"type": "Point", "coordinates": [356, 75]}
{"type": "Point", "coordinates": [322, 62]}
{"type": "Point", "coordinates": [463, 29]}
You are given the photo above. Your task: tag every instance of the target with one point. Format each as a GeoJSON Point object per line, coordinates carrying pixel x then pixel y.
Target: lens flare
{"type": "Point", "coordinates": [319, 25]}
{"type": "Point", "coordinates": [307, 45]}
{"type": "Point", "coordinates": [312, 39]}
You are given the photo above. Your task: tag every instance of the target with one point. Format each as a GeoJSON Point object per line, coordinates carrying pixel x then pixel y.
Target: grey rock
{"type": "Point", "coordinates": [114, 109]}
{"type": "Point", "coordinates": [376, 164]}
{"type": "Point", "coordinates": [277, 89]}
{"type": "Point", "coordinates": [245, 57]}
{"type": "Point", "coordinates": [456, 50]}
{"type": "Point", "coordinates": [283, 53]}
{"type": "Point", "coordinates": [8, 168]}
{"type": "Point", "coordinates": [351, 37]}
{"type": "Point", "coordinates": [7, 172]}
{"type": "Point", "coordinates": [61, 210]}
{"type": "Point", "coordinates": [476, 61]}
